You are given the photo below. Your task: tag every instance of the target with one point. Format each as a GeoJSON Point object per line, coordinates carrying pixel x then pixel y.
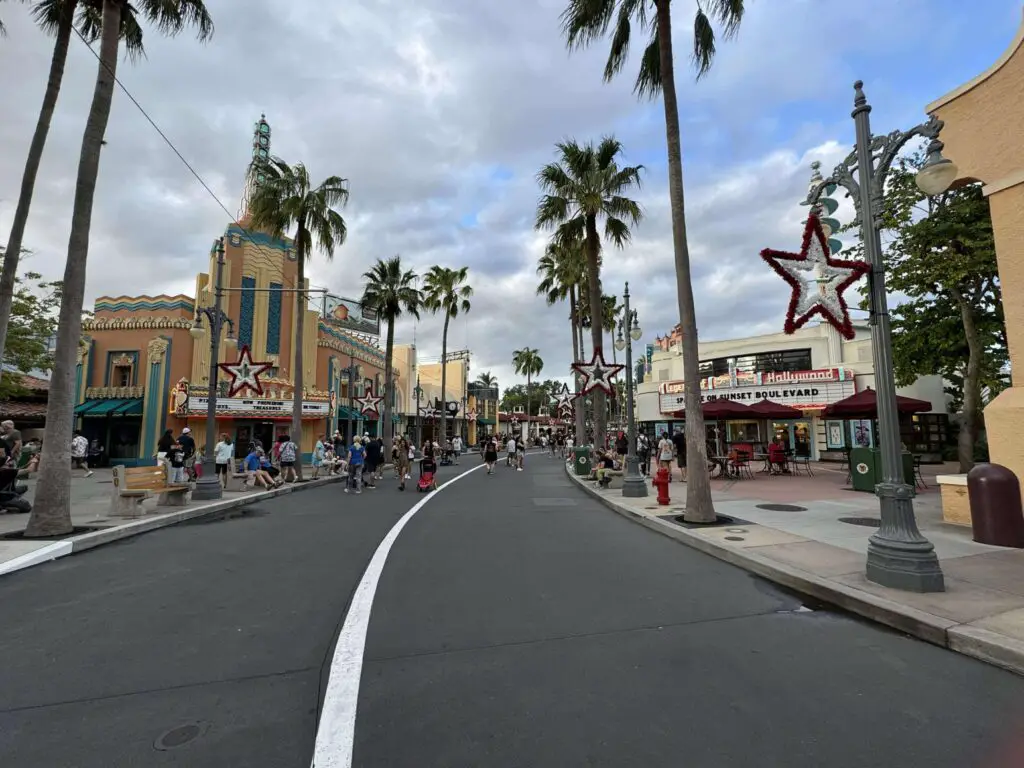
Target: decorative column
{"type": "Point", "coordinates": [155, 402]}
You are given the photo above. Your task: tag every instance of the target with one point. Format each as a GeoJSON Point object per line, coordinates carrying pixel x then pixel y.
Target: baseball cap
{"type": "Point", "coordinates": [185, 431]}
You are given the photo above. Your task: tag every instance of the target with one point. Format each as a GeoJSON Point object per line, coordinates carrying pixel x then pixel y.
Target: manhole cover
{"type": "Point", "coordinates": [735, 530]}
{"type": "Point", "coordinates": [867, 522]}
{"type": "Point", "coordinates": [180, 736]}
{"type": "Point", "coordinates": [782, 507]}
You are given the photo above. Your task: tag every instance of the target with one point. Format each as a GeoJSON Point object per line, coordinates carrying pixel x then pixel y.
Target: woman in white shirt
{"type": "Point", "coordinates": [223, 453]}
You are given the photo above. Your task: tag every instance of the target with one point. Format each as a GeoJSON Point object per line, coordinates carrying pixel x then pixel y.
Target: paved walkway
{"type": "Point", "coordinates": [517, 622]}
{"type": "Point", "coordinates": [981, 613]}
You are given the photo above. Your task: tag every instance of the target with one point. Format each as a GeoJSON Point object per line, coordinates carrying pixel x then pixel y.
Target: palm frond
{"type": "Point", "coordinates": [729, 14]}
{"type": "Point", "coordinates": [648, 78]}
{"type": "Point", "coordinates": [584, 21]}
{"type": "Point", "coordinates": [172, 16]}
{"type": "Point", "coordinates": [703, 43]}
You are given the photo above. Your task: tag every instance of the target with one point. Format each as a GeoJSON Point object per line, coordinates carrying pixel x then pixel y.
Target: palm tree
{"type": "Point", "coordinates": [585, 21]}
{"type": "Point", "coordinates": [562, 269]}
{"type": "Point", "coordinates": [51, 512]}
{"type": "Point", "coordinates": [391, 291]}
{"type": "Point", "coordinates": [286, 198]}
{"type": "Point", "coordinates": [487, 380]}
{"type": "Point", "coordinates": [527, 362]}
{"type": "Point", "coordinates": [583, 186]}
{"type": "Point", "coordinates": [446, 289]}
{"type": "Point", "coordinates": [56, 17]}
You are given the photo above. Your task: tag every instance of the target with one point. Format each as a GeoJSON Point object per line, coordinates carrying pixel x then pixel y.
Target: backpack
{"type": "Point", "coordinates": [288, 451]}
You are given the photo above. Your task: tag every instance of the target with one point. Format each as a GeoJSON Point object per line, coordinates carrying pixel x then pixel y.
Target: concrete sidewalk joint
{"type": "Point", "coordinates": [86, 541]}
{"type": "Point", "coordinates": [977, 642]}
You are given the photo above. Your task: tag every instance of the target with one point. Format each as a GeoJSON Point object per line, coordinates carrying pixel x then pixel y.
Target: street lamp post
{"type": "Point", "coordinates": [419, 414]}
{"type": "Point", "coordinates": [353, 372]}
{"type": "Point", "coordinates": [208, 485]}
{"type": "Point", "coordinates": [633, 484]}
{"type": "Point", "coordinates": [898, 555]}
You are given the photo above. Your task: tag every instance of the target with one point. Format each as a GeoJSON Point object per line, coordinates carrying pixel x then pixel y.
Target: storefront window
{"type": "Point", "coordinates": [924, 432]}
{"type": "Point", "coordinates": [743, 431]}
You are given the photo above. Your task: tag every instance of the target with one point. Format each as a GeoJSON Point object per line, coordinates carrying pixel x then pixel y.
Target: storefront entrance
{"type": "Point", "coordinates": [247, 431]}
{"type": "Point", "coordinates": [796, 435]}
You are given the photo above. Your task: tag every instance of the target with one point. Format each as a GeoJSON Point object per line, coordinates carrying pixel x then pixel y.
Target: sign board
{"type": "Point", "coordinates": [775, 379]}
{"type": "Point", "coordinates": [350, 315]}
{"type": "Point", "coordinates": [797, 395]}
{"type": "Point", "coordinates": [198, 405]}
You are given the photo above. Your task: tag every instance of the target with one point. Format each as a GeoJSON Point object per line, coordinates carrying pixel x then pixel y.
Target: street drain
{"type": "Point", "coordinates": [180, 736]}
{"type": "Point", "coordinates": [867, 522]}
{"type": "Point", "coordinates": [781, 507]}
{"type": "Point", "coordinates": [734, 538]}
{"type": "Point", "coordinates": [226, 515]}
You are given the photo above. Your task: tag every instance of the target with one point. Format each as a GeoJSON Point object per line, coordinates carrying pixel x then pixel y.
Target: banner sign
{"type": "Point", "coordinates": [810, 396]}
{"type": "Point", "coordinates": [198, 405]}
{"type": "Point", "coordinates": [777, 378]}
{"type": "Point", "coordinates": [350, 315]}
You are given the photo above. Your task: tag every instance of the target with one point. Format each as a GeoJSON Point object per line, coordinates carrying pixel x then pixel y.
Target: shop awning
{"type": "Point", "coordinates": [482, 420]}
{"type": "Point", "coordinates": [117, 406]}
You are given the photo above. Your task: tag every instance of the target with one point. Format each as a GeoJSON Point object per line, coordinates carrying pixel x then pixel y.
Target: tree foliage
{"type": "Point", "coordinates": [539, 397]}
{"type": "Point", "coordinates": [32, 326]}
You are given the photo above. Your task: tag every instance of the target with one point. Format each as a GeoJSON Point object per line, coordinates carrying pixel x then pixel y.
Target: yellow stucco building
{"type": "Point", "coordinates": [982, 134]}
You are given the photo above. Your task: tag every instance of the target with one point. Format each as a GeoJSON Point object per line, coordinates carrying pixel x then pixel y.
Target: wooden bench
{"type": "Point", "coordinates": [133, 485]}
{"type": "Point", "coordinates": [614, 477]}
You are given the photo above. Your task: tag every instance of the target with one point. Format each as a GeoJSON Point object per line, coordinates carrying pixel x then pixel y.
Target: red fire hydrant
{"type": "Point", "coordinates": [661, 481]}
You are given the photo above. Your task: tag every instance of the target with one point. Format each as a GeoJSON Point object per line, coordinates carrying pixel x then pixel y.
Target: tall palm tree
{"type": "Point", "coordinates": [51, 512]}
{"type": "Point", "coordinates": [391, 291]}
{"type": "Point", "coordinates": [562, 269]}
{"type": "Point", "coordinates": [527, 362]}
{"type": "Point", "coordinates": [446, 290]}
{"type": "Point", "coordinates": [583, 187]}
{"type": "Point", "coordinates": [55, 17]}
{"type": "Point", "coordinates": [286, 198]}
{"type": "Point", "coordinates": [584, 22]}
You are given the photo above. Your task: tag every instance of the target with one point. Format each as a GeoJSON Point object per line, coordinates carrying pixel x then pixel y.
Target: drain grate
{"type": "Point", "coordinates": [867, 522]}
{"type": "Point", "coordinates": [781, 507]}
{"type": "Point", "coordinates": [180, 736]}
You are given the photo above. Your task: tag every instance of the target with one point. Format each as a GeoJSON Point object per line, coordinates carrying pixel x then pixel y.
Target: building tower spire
{"type": "Point", "coordinates": [260, 152]}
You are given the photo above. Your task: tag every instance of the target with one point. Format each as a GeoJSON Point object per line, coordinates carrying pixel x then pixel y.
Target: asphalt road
{"type": "Point", "coordinates": [516, 623]}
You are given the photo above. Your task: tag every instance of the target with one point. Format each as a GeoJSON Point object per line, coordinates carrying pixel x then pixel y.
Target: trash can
{"type": "Point", "coordinates": [864, 469]}
{"type": "Point", "coordinates": [581, 461]}
{"type": "Point", "coordinates": [994, 495]}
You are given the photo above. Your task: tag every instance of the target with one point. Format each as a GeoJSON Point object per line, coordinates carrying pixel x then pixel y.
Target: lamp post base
{"type": "Point", "coordinates": [899, 557]}
{"type": "Point", "coordinates": [208, 486]}
{"type": "Point", "coordinates": [633, 484]}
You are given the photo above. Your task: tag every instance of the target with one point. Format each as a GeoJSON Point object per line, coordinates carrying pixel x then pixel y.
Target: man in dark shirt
{"type": "Point", "coordinates": [188, 446]}
{"type": "Point", "coordinates": [679, 441]}
{"type": "Point", "coordinates": [373, 460]}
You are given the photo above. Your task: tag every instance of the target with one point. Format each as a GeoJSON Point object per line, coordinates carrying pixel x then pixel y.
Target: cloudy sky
{"type": "Point", "coordinates": [440, 112]}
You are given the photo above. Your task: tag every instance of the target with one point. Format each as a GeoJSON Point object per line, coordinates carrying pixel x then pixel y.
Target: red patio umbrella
{"type": "Point", "coordinates": [864, 405]}
{"type": "Point", "coordinates": [767, 409]}
{"type": "Point", "coordinates": [720, 409]}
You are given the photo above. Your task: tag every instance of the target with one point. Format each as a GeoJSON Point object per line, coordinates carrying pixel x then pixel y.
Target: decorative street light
{"type": "Point", "coordinates": [898, 555]}
{"type": "Point", "coordinates": [633, 484]}
{"type": "Point", "coordinates": [353, 372]}
{"type": "Point", "coordinates": [419, 426]}
{"type": "Point", "coordinates": [208, 485]}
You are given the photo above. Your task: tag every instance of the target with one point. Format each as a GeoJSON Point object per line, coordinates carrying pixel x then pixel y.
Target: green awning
{"type": "Point", "coordinates": [117, 406]}
{"type": "Point", "coordinates": [395, 418]}
{"type": "Point", "coordinates": [482, 420]}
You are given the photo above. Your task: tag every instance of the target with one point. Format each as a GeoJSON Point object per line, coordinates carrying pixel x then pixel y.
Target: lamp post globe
{"type": "Point", "coordinates": [937, 173]}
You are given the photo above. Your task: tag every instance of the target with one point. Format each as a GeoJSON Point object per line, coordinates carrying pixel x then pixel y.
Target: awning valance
{"type": "Point", "coordinates": [482, 420]}
{"type": "Point", "coordinates": [117, 406]}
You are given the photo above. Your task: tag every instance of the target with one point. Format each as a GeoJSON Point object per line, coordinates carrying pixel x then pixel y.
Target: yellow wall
{"type": "Point", "coordinates": [982, 136]}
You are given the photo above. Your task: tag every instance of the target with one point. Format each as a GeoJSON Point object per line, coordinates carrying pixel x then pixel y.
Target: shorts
{"type": "Point", "coordinates": [222, 469]}
{"type": "Point", "coordinates": [490, 457]}
{"type": "Point", "coordinates": [78, 462]}
{"type": "Point", "coordinates": [287, 464]}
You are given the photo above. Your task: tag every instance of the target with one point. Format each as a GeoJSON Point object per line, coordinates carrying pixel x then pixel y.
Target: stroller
{"type": "Point", "coordinates": [428, 469]}
{"type": "Point", "coordinates": [447, 457]}
{"type": "Point", "coordinates": [11, 491]}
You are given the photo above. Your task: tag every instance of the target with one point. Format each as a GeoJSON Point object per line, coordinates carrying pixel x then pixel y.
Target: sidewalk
{"type": "Point", "coordinates": [90, 505]}
{"type": "Point", "coordinates": [814, 548]}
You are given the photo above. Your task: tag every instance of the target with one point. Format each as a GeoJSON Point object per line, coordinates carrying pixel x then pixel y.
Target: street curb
{"type": "Point", "coordinates": [984, 645]}
{"type": "Point", "coordinates": [136, 527]}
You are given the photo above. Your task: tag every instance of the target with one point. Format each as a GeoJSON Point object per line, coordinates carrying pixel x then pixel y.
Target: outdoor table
{"type": "Point", "coordinates": [766, 468]}
{"type": "Point", "coordinates": [722, 462]}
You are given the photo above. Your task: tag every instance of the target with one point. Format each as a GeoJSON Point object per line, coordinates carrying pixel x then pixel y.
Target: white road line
{"type": "Point", "coordinates": [335, 736]}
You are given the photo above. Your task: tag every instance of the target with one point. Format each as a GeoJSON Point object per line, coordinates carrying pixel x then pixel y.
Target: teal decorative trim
{"type": "Point", "coordinates": [92, 366]}
{"type": "Point", "coordinates": [258, 238]}
{"type": "Point", "coordinates": [246, 310]}
{"type": "Point", "coordinates": [133, 354]}
{"type": "Point", "coordinates": [274, 320]}
{"type": "Point", "coordinates": [354, 342]}
{"type": "Point", "coordinates": [153, 426]}
{"type": "Point", "coordinates": [139, 305]}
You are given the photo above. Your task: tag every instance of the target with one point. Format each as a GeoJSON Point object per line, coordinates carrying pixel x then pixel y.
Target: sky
{"type": "Point", "coordinates": [441, 112]}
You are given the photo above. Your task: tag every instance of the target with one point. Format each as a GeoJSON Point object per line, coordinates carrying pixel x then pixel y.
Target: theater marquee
{"type": "Point", "coordinates": [810, 390]}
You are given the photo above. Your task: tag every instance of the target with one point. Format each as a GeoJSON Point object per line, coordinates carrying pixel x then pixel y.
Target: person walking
{"type": "Point", "coordinates": [318, 456]}
{"type": "Point", "coordinates": [403, 459]}
{"type": "Point", "coordinates": [188, 446]}
{"type": "Point", "coordinates": [457, 447]}
{"type": "Point", "coordinates": [163, 446]}
{"type": "Point", "coordinates": [665, 449]}
{"type": "Point", "coordinates": [176, 457]}
{"type": "Point", "coordinates": [79, 453]}
{"type": "Point", "coordinates": [356, 459]}
{"type": "Point", "coordinates": [223, 453]}
{"type": "Point", "coordinates": [679, 442]}
{"type": "Point", "coordinates": [490, 454]}
{"type": "Point", "coordinates": [373, 460]}
{"type": "Point", "coordinates": [286, 455]}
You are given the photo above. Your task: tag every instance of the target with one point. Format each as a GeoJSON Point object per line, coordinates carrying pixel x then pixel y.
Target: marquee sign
{"type": "Point", "coordinates": [747, 379]}
{"type": "Point", "coordinates": [804, 395]}
{"type": "Point", "coordinates": [229, 405]}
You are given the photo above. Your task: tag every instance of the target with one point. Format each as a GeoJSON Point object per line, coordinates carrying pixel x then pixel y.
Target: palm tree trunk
{"type": "Point", "coordinates": [529, 405]}
{"type": "Point", "coordinates": [578, 403]}
{"type": "Point", "coordinates": [596, 326]}
{"type": "Point", "coordinates": [28, 178]}
{"type": "Point", "coordinates": [51, 513]}
{"type": "Point", "coordinates": [299, 341]}
{"type": "Point", "coordinates": [444, 380]}
{"type": "Point", "coordinates": [699, 506]}
{"type": "Point", "coordinates": [389, 387]}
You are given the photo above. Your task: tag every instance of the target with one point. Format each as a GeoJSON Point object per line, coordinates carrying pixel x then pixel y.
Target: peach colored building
{"type": "Point", "coordinates": [140, 371]}
{"type": "Point", "coordinates": [982, 134]}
